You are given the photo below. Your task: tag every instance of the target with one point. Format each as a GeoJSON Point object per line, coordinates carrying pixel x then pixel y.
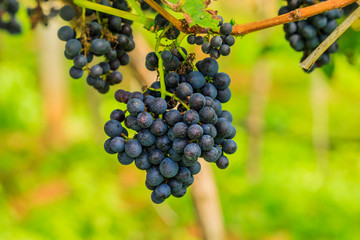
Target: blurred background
{"type": "Point", "coordinates": [295, 174]}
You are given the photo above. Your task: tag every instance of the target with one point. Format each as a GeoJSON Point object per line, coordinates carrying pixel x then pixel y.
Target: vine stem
{"type": "Point", "coordinates": [113, 11]}
{"type": "Point", "coordinates": [243, 29]}
{"type": "Point", "coordinates": [138, 10]}
{"type": "Point", "coordinates": [311, 59]}
{"type": "Point", "coordinates": [293, 16]}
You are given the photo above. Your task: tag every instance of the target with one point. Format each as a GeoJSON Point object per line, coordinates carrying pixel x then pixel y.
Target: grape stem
{"type": "Point", "coordinates": [160, 62]}
{"type": "Point", "coordinates": [243, 29]}
{"type": "Point", "coordinates": [84, 30]}
{"type": "Point", "coordinates": [311, 59]}
{"type": "Point", "coordinates": [180, 49]}
{"type": "Point", "coordinates": [147, 22]}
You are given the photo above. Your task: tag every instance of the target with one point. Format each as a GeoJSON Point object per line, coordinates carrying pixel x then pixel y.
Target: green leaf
{"type": "Point", "coordinates": [199, 13]}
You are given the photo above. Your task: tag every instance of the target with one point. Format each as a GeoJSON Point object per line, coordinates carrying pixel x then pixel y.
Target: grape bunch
{"type": "Point", "coordinates": [217, 45]}
{"type": "Point", "coordinates": [304, 36]}
{"type": "Point", "coordinates": [172, 133]}
{"type": "Point", "coordinates": [108, 36]}
{"type": "Point", "coordinates": [8, 10]}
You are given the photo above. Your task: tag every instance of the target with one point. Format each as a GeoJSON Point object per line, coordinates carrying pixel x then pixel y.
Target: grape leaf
{"type": "Point", "coordinates": [197, 12]}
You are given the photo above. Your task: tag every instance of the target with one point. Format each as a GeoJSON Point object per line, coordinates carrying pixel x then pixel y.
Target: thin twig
{"type": "Point", "coordinates": [311, 59]}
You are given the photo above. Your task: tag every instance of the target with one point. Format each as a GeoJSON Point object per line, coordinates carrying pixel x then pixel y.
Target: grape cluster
{"type": "Point", "coordinates": [172, 133]}
{"type": "Point", "coordinates": [8, 10]}
{"type": "Point", "coordinates": [307, 34]}
{"type": "Point", "coordinates": [217, 45]}
{"type": "Point", "coordinates": [111, 39]}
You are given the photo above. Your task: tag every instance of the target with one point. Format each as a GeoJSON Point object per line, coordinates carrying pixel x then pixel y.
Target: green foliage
{"type": "Point", "coordinates": [197, 10]}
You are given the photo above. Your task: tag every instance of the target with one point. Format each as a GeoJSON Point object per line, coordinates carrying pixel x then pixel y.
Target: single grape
{"type": "Point", "coordinates": [159, 127]}
{"type": "Point", "coordinates": [113, 128]}
{"type": "Point", "coordinates": [162, 191]}
{"type": "Point", "coordinates": [156, 199]}
{"type": "Point", "coordinates": [206, 143]}
{"type": "Point", "coordinates": [135, 106]}
{"type": "Point", "coordinates": [191, 117]}
{"type": "Point", "coordinates": [154, 177]}
{"type": "Point", "coordinates": [158, 106]}
{"type": "Point", "coordinates": [174, 185]}
{"type": "Point", "coordinates": [199, 40]}
{"type": "Point", "coordinates": [229, 146]}
{"type": "Point", "coordinates": [184, 90]}
{"type": "Point", "coordinates": [195, 131]}
{"type": "Point", "coordinates": [142, 162]}
{"type": "Point", "coordinates": [133, 148]}
{"type": "Point", "coordinates": [73, 47]}
{"type": "Point", "coordinates": [65, 33]}
{"type": "Point", "coordinates": [222, 162]}
{"type": "Point", "coordinates": [124, 159]}
{"type": "Point", "coordinates": [192, 151]}
{"type": "Point", "coordinates": [67, 13]}
{"type": "Point", "coordinates": [163, 143]}
{"type": "Point", "coordinates": [117, 115]}
{"type": "Point", "coordinates": [180, 193]}
{"type": "Point", "coordinates": [117, 144]}
{"type": "Point", "coordinates": [168, 168]}
{"type": "Point", "coordinates": [107, 146]}
{"type": "Point", "coordinates": [156, 156]}
{"type": "Point", "coordinates": [172, 117]}
{"type": "Point", "coordinates": [226, 28]}
{"type": "Point", "coordinates": [191, 39]}
{"type": "Point", "coordinates": [75, 72]}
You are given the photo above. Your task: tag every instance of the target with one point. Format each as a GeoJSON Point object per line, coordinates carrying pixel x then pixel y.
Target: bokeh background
{"type": "Point", "coordinates": [295, 174]}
